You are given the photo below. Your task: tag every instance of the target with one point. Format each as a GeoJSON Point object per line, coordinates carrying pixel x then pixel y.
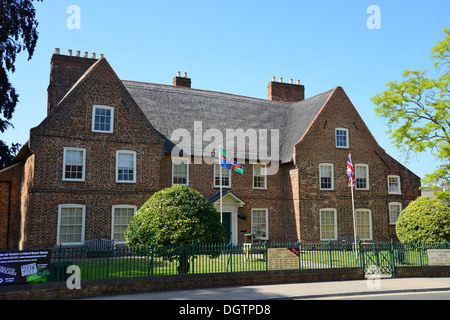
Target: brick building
{"type": "Point", "coordinates": [106, 146]}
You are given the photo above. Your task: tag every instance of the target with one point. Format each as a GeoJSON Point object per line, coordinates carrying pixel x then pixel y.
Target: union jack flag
{"type": "Point", "coordinates": [350, 171]}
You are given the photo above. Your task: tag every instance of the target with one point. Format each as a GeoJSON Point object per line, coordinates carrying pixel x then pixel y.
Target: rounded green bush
{"type": "Point", "coordinates": [176, 215]}
{"type": "Point", "coordinates": [425, 219]}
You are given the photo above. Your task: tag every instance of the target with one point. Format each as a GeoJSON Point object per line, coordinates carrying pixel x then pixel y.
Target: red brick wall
{"type": "Point", "coordinates": [293, 198]}
{"type": "Point", "coordinates": [70, 125]}
{"type": "Point", "coordinates": [277, 198]}
{"type": "Point", "coordinates": [65, 71]}
{"type": "Point", "coordinates": [318, 146]}
{"type": "Point", "coordinates": [285, 92]}
{"type": "Point", "coordinates": [10, 206]}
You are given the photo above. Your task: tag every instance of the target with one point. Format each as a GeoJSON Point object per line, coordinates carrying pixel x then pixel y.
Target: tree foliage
{"type": "Point", "coordinates": [417, 111]}
{"type": "Point", "coordinates": [18, 32]}
{"type": "Point", "coordinates": [425, 219]}
{"type": "Point", "coordinates": [175, 216]}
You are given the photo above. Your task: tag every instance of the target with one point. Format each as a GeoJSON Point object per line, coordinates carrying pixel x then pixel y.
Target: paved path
{"type": "Point", "coordinates": [297, 290]}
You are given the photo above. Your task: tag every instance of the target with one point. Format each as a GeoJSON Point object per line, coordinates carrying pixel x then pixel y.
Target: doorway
{"type": "Point", "coordinates": [226, 222]}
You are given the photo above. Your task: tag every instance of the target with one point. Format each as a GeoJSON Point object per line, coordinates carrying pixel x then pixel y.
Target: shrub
{"type": "Point", "coordinates": [425, 219]}
{"type": "Point", "coordinates": [175, 216]}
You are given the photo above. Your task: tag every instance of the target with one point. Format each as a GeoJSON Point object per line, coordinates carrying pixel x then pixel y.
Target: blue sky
{"type": "Point", "coordinates": [237, 46]}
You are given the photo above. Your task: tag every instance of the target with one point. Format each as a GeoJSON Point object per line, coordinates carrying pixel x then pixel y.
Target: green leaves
{"type": "Point", "coordinates": [426, 219]}
{"type": "Point", "coordinates": [417, 110]}
{"type": "Point", "coordinates": [176, 215]}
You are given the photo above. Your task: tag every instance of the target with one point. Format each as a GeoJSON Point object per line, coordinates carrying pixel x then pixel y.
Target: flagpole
{"type": "Point", "coordinates": [354, 220]}
{"type": "Point", "coordinates": [353, 210]}
{"type": "Point", "coordinates": [220, 168]}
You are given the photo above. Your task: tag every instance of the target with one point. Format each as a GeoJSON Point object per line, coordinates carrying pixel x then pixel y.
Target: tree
{"type": "Point", "coordinates": [18, 31]}
{"type": "Point", "coordinates": [176, 217]}
{"type": "Point", "coordinates": [417, 110]}
{"type": "Point", "coordinates": [425, 219]}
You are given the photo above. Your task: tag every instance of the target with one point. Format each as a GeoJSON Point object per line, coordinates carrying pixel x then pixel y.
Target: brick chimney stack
{"type": "Point", "coordinates": [65, 71]}
{"type": "Point", "coordinates": [286, 92]}
{"type": "Point", "coordinates": [180, 81]}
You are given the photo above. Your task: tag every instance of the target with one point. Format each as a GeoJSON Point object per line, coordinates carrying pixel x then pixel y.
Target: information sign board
{"type": "Point", "coordinates": [24, 267]}
{"type": "Point", "coordinates": [438, 257]}
{"type": "Point", "coordinates": [282, 258]}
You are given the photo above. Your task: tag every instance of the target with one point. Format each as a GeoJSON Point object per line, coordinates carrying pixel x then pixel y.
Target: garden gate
{"type": "Point", "coordinates": [378, 257]}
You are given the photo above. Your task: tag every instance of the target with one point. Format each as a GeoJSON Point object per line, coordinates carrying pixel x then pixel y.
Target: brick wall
{"type": "Point", "coordinates": [293, 196]}
{"type": "Point", "coordinates": [70, 125]}
{"type": "Point", "coordinates": [10, 209]}
{"type": "Point", "coordinates": [318, 146]}
{"type": "Point", "coordinates": [277, 198]}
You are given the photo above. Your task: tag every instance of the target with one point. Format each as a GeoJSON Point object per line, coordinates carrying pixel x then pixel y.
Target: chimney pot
{"type": "Point", "coordinates": [57, 51]}
{"type": "Point", "coordinates": [64, 73]}
{"type": "Point", "coordinates": [78, 53]}
{"type": "Point", "coordinates": [286, 92]}
{"type": "Point", "coordinates": [273, 79]}
{"type": "Point", "coordinates": [93, 55]}
{"type": "Point", "coordinates": [184, 81]}
{"type": "Point", "coordinates": [85, 54]}
{"type": "Point", "coordinates": [101, 55]}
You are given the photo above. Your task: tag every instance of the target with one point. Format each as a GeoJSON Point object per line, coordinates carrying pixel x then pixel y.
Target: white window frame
{"type": "Point", "coordinates": [332, 175]}
{"type": "Point", "coordinates": [336, 139]}
{"type": "Point", "coordinates": [94, 107]}
{"type": "Point", "coordinates": [178, 161]}
{"type": "Point", "coordinates": [370, 238]}
{"type": "Point", "coordinates": [391, 220]}
{"type": "Point", "coordinates": [224, 171]}
{"type": "Point", "coordinates": [117, 166]}
{"type": "Point", "coordinates": [361, 165]}
{"type": "Point", "coordinates": [266, 223]}
{"type": "Point", "coordinates": [399, 184]}
{"type": "Point", "coordinates": [264, 174]}
{"type": "Point", "coordinates": [83, 174]}
{"type": "Point", "coordinates": [58, 232]}
{"type": "Point", "coordinates": [335, 224]}
{"type": "Point", "coordinates": [119, 206]}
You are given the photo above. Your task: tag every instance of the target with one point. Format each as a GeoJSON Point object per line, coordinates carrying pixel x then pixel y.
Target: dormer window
{"type": "Point", "coordinates": [102, 119]}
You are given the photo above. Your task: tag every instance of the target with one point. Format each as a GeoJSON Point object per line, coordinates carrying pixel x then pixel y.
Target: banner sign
{"type": "Point", "coordinates": [24, 267]}
{"type": "Point", "coordinates": [282, 258]}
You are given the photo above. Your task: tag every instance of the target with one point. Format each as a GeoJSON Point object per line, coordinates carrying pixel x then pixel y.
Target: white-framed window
{"type": "Point", "coordinates": [395, 208]}
{"type": "Point", "coordinates": [362, 177]}
{"type": "Point", "coordinates": [74, 164]}
{"type": "Point", "coordinates": [364, 224]}
{"type": "Point", "coordinates": [328, 224]}
{"type": "Point", "coordinates": [125, 166]}
{"type": "Point", "coordinates": [121, 218]}
{"type": "Point", "coordinates": [259, 176]}
{"type": "Point", "coordinates": [226, 176]}
{"type": "Point", "coordinates": [102, 119]}
{"type": "Point", "coordinates": [180, 171]}
{"type": "Point", "coordinates": [394, 185]}
{"type": "Point", "coordinates": [260, 223]}
{"type": "Point", "coordinates": [71, 224]}
{"type": "Point", "coordinates": [326, 175]}
{"type": "Point", "coordinates": [342, 138]}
